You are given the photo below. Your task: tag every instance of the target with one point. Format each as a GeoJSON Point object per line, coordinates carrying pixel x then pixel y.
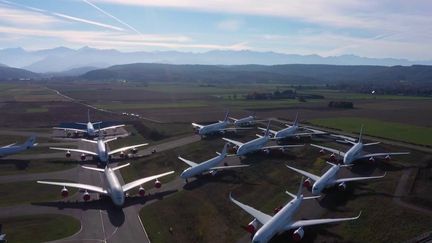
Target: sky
{"type": "Point", "coordinates": [370, 28]}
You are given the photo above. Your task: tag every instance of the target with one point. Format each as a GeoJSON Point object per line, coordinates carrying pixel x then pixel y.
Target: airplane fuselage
{"type": "Point", "coordinates": [102, 151]}
{"type": "Point", "coordinates": [286, 132]}
{"type": "Point", "coordinates": [252, 146]}
{"type": "Point", "coordinates": [325, 180]}
{"type": "Point", "coordinates": [13, 149]}
{"type": "Point", "coordinates": [353, 153]}
{"type": "Point", "coordinates": [90, 129]}
{"type": "Point", "coordinates": [212, 128]}
{"type": "Point", "coordinates": [113, 187]}
{"type": "Point", "coordinates": [200, 168]}
{"type": "Point", "coordinates": [278, 222]}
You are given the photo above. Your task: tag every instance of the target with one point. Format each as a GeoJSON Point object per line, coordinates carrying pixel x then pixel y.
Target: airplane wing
{"type": "Point", "coordinates": [227, 167]}
{"type": "Point", "coordinates": [233, 129]}
{"type": "Point", "coordinates": [302, 223]}
{"type": "Point", "coordinates": [237, 143]}
{"type": "Point", "coordinates": [335, 151]}
{"type": "Point", "coordinates": [358, 178]}
{"type": "Point", "coordinates": [305, 173]}
{"type": "Point", "coordinates": [75, 150]}
{"type": "Point", "coordinates": [315, 131]}
{"type": "Point", "coordinates": [382, 154]}
{"type": "Point", "coordinates": [344, 137]}
{"type": "Point", "coordinates": [141, 181]}
{"type": "Point", "coordinates": [197, 125]}
{"type": "Point", "coordinates": [76, 185]}
{"type": "Point", "coordinates": [190, 163]}
{"type": "Point", "coordinates": [265, 129]}
{"type": "Point", "coordinates": [369, 144]}
{"type": "Point", "coordinates": [260, 216]}
{"type": "Point", "coordinates": [88, 140]}
{"type": "Point", "coordinates": [110, 127]}
{"type": "Point", "coordinates": [9, 145]}
{"type": "Point", "coordinates": [232, 118]}
{"type": "Point", "coordinates": [70, 129]}
{"type": "Point", "coordinates": [282, 146]}
{"type": "Point", "coordinates": [126, 148]}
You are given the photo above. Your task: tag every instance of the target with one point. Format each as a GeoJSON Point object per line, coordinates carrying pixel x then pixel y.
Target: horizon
{"type": "Point", "coordinates": [361, 28]}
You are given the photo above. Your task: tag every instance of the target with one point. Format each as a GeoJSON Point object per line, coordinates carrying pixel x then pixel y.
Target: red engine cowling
{"type": "Point", "coordinates": [141, 191]}
{"type": "Point", "coordinates": [86, 196]}
{"type": "Point", "coordinates": [298, 234]}
{"type": "Point", "coordinates": [252, 226]}
{"type": "Point", "coordinates": [157, 184]}
{"type": "Point", "coordinates": [68, 154]}
{"type": "Point", "coordinates": [83, 157]}
{"type": "Point", "coordinates": [332, 157]}
{"type": "Point", "coordinates": [64, 192]}
{"type": "Point", "coordinates": [308, 183]}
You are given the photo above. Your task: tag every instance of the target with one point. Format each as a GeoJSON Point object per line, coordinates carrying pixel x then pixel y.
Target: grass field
{"type": "Point", "coordinates": [390, 130]}
{"type": "Point", "coordinates": [12, 167]}
{"type": "Point", "coordinates": [28, 192]}
{"type": "Point", "coordinates": [39, 228]}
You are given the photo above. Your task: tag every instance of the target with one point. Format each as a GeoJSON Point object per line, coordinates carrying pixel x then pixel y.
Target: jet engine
{"type": "Point", "coordinates": [322, 151]}
{"type": "Point", "coordinates": [68, 154]}
{"type": "Point", "coordinates": [134, 150]}
{"type": "Point", "coordinates": [122, 154]}
{"type": "Point", "coordinates": [308, 183]}
{"type": "Point", "coordinates": [157, 184]}
{"type": "Point", "coordinates": [298, 234]}
{"type": "Point", "coordinates": [388, 157]}
{"type": "Point", "coordinates": [86, 196]}
{"type": "Point", "coordinates": [372, 159]}
{"type": "Point", "coordinates": [332, 157]}
{"type": "Point", "coordinates": [141, 191]}
{"type": "Point", "coordinates": [252, 226]}
{"type": "Point", "coordinates": [342, 186]}
{"type": "Point", "coordinates": [64, 192]}
{"type": "Point", "coordinates": [83, 157]}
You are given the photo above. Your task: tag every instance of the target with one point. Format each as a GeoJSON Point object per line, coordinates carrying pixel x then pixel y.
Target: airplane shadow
{"type": "Point", "coordinates": [310, 235]}
{"type": "Point", "coordinates": [19, 164]}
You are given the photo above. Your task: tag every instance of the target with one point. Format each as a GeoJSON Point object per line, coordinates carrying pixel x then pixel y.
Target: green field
{"type": "Point", "coordinates": [28, 192]}
{"type": "Point", "coordinates": [390, 130]}
{"type": "Point", "coordinates": [11, 167]}
{"type": "Point", "coordinates": [39, 228]}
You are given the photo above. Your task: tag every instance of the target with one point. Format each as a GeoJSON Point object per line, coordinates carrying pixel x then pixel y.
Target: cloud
{"type": "Point", "coordinates": [230, 25]}
{"type": "Point", "coordinates": [20, 17]}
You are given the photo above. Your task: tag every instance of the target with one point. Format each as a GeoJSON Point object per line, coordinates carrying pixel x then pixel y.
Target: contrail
{"type": "Point", "coordinates": [63, 16]}
{"type": "Point", "coordinates": [113, 17]}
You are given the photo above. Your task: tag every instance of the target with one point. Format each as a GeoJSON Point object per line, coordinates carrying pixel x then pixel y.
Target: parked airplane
{"type": "Point", "coordinates": [292, 131]}
{"type": "Point", "coordinates": [90, 127]}
{"type": "Point", "coordinates": [111, 186]}
{"type": "Point", "coordinates": [16, 148]}
{"type": "Point", "coordinates": [210, 166]}
{"type": "Point", "coordinates": [257, 144]}
{"type": "Point", "coordinates": [218, 127]}
{"type": "Point", "coordinates": [101, 150]}
{"type": "Point", "coordinates": [356, 151]}
{"type": "Point", "coordinates": [245, 121]}
{"type": "Point", "coordinates": [264, 227]}
{"type": "Point", "coordinates": [329, 179]}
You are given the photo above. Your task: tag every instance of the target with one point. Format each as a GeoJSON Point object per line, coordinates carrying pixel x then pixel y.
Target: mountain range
{"type": "Point", "coordinates": [78, 61]}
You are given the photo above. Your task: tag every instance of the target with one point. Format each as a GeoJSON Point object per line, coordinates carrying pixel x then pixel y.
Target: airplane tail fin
{"type": "Point", "coordinates": [226, 116]}
{"type": "Point", "coordinates": [224, 150]}
{"type": "Point", "coordinates": [267, 132]}
{"type": "Point", "coordinates": [300, 191]}
{"type": "Point", "coordinates": [31, 141]}
{"type": "Point", "coordinates": [360, 135]}
{"type": "Point", "coordinates": [296, 120]}
{"type": "Point", "coordinates": [88, 115]}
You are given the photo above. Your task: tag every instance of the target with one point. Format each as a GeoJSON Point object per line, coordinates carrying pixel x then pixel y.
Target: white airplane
{"type": "Point", "coordinates": [101, 150]}
{"type": "Point", "coordinates": [329, 179]}
{"type": "Point", "coordinates": [245, 121]}
{"type": "Point", "coordinates": [218, 127]}
{"type": "Point", "coordinates": [210, 166]}
{"type": "Point", "coordinates": [111, 186]}
{"type": "Point", "coordinates": [264, 226]}
{"type": "Point", "coordinates": [90, 127]}
{"type": "Point", "coordinates": [356, 151]}
{"type": "Point", "coordinates": [257, 144]}
{"type": "Point", "coordinates": [292, 131]}
{"type": "Point", "coordinates": [16, 148]}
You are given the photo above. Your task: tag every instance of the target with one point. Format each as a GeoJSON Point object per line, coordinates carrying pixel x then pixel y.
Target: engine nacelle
{"type": "Point", "coordinates": [252, 227]}
{"type": "Point", "coordinates": [86, 196]}
{"type": "Point", "coordinates": [157, 184]}
{"type": "Point", "coordinates": [388, 157]}
{"type": "Point", "coordinates": [372, 159]}
{"type": "Point", "coordinates": [332, 157]}
{"type": "Point", "coordinates": [83, 157]}
{"type": "Point", "coordinates": [122, 154]}
{"type": "Point", "coordinates": [213, 172]}
{"type": "Point", "coordinates": [267, 151]}
{"type": "Point", "coordinates": [308, 183]}
{"type": "Point", "coordinates": [141, 191]}
{"type": "Point", "coordinates": [64, 192]}
{"type": "Point", "coordinates": [68, 154]}
{"type": "Point", "coordinates": [298, 234]}
{"type": "Point", "coordinates": [322, 151]}
{"type": "Point", "coordinates": [134, 151]}
{"type": "Point", "coordinates": [342, 186]}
